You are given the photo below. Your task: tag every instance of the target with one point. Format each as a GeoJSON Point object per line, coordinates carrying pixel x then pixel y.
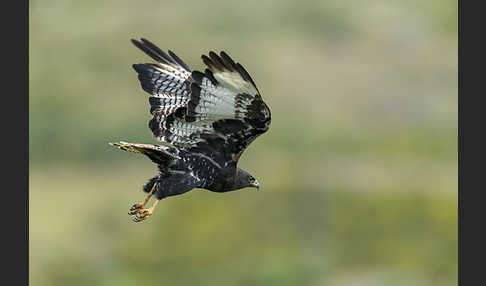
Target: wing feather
{"type": "Point", "coordinates": [219, 111]}
{"type": "Point", "coordinates": [226, 106]}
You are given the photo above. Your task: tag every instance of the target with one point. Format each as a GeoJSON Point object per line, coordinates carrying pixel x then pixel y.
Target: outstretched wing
{"type": "Point", "coordinates": [226, 95]}
{"type": "Point", "coordinates": [167, 81]}
{"type": "Point", "coordinates": [217, 113]}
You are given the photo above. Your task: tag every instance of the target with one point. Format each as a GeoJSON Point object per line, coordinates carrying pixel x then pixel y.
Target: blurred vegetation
{"type": "Point", "coordinates": [358, 172]}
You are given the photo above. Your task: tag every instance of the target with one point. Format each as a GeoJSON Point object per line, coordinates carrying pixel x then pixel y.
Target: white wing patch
{"type": "Point", "coordinates": [215, 101]}
{"type": "Point", "coordinates": [234, 82]}
{"type": "Point", "coordinates": [185, 105]}
{"type": "Point", "coordinates": [182, 128]}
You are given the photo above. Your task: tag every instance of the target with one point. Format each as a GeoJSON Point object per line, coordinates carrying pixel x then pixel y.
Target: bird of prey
{"type": "Point", "coordinates": [205, 121]}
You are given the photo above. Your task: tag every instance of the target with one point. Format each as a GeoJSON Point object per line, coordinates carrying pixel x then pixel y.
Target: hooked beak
{"type": "Point", "coordinates": [255, 184]}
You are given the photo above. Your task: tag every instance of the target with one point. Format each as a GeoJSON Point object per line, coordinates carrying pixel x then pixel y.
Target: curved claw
{"type": "Point", "coordinates": [135, 208]}
{"type": "Point", "coordinates": [142, 215]}
{"type": "Point", "coordinates": [133, 212]}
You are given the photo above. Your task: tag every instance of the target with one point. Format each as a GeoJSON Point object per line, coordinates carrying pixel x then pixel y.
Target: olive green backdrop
{"type": "Point", "coordinates": [358, 170]}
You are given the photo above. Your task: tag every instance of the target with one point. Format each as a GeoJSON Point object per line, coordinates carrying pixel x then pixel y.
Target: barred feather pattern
{"type": "Point", "coordinates": [168, 80]}
{"type": "Point", "coordinates": [218, 102]}
{"type": "Point", "coordinates": [178, 131]}
{"type": "Point", "coordinates": [169, 90]}
{"type": "Point", "coordinates": [218, 112]}
{"type": "Point", "coordinates": [223, 92]}
{"type": "Point", "coordinates": [159, 79]}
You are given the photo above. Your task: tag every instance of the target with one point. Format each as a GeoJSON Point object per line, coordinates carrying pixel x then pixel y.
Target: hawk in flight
{"type": "Point", "coordinates": [206, 120]}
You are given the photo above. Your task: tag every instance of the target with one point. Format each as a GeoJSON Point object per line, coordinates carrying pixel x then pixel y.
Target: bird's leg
{"type": "Point", "coordinates": [139, 206]}
{"type": "Point", "coordinates": [142, 215]}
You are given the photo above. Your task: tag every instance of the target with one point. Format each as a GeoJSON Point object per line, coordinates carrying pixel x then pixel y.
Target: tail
{"type": "Point", "coordinates": [162, 155]}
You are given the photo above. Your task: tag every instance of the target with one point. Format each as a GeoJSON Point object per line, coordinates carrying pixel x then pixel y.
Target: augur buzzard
{"type": "Point", "coordinates": [207, 118]}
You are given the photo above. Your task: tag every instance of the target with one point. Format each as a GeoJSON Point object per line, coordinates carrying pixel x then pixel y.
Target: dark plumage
{"type": "Point", "coordinates": [207, 119]}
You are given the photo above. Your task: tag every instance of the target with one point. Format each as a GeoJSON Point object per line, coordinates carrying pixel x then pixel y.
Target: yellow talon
{"type": "Point", "coordinates": [143, 214]}
{"type": "Point", "coordinates": [138, 210]}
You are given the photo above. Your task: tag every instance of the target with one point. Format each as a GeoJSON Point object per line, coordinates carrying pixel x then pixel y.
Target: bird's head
{"type": "Point", "coordinates": [244, 179]}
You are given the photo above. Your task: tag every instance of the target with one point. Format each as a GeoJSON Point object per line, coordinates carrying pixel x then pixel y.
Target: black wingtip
{"type": "Point", "coordinates": [207, 61]}
{"type": "Point", "coordinates": [135, 42]}
{"type": "Point", "coordinates": [138, 44]}
{"type": "Point", "coordinates": [157, 54]}
{"type": "Point", "coordinates": [217, 62]}
{"type": "Point", "coordinates": [137, 67]}
{"type": "Point", "coordinates": [144, 40]}
{"type": "Point", "coordinates": [153, 51]}
{"type": "Point", "coordinates": [156, 49]}
{"type": "Point", "coordinates": [245, 74]}
{"type": "Point", "coordinates": [147, 42]}
{"type": "Point", "coordinates": [229, 63]}
{"type": "Point", "coordinates": [179, 61]}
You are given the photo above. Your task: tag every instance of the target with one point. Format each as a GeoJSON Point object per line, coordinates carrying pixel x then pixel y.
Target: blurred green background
{"type": "Point", "coordinates": [358, 171]}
